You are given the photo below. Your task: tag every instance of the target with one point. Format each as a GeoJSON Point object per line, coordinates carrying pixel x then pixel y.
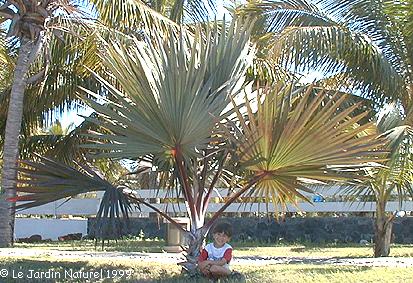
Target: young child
{"type": "Point", "coordinates": [215, 257]}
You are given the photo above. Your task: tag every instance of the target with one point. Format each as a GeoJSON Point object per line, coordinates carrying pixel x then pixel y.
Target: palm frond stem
{"type": "Point", "coordinates": [185, 185]}
{"type": "Point", "coordinates": [134, 198]}
{"type": "Point", "coordinates": [212, 185]}
{"type": "Point", "coordinates": [235, 196]}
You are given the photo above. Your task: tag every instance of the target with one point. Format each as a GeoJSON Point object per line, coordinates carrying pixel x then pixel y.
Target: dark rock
{"type": "Point", "coordinates": [70, 237]}
{"type": "Point", "coordinates": [32, 239]}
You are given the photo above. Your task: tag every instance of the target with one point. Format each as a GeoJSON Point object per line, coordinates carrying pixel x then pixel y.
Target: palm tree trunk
{"type": "Point", "coordinates": [11, 142]}
{"type": "Point", "coordinates": [199, 229]}
{"type": "Point", "coordinates": [383, 231]}
{"type": "Point", "coordinates": [196, 238]}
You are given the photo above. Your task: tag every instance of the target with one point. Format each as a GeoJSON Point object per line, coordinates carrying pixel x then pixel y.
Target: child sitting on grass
{"type": "Point", "coordinates": [215, 257]}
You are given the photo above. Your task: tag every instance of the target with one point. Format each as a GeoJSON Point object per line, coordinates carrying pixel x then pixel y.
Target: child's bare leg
{"type": "Point", "coordinates": [218, 271]}
{"type": "Point", "coordinates": [204, 267]}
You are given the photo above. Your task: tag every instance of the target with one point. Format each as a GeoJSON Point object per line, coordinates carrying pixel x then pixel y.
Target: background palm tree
{"type": "Point", "coordinates": [58, 129]}
{"type": "Point", "coordinates": [45, 63]}
{"type": "Point", "coordinates": [28, 24]}
{"type": "Point", "coordinates": [363, 44]}
{"type": "Point", "coordinates": [395, 179]}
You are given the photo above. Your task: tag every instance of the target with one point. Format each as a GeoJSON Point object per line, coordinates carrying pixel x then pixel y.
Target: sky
{"type": "Point", "coordinates": [72, 116]}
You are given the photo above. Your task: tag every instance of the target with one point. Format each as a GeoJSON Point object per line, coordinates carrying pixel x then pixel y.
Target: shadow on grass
{"type": "Point", "coordinates": [304, 245]}
{"type": "Point", "coordinates": [309, 248]}
{"type": "Point", "coordinates": [124, 245]}
{"type": "Point", "coordinates": [254, 274]}
{"type": "Point", "coordinates": [36, 271]}
{"type": "Point", "coordinates": [296, 260]}
{"type": "Point", "coordinates": [285, 274]}
{"type": "Point", "coordinates": [43, 271]}
{"type": "Point", "coordinates": [335, 269]}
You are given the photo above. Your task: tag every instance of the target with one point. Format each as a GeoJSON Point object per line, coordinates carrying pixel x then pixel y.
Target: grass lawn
{"type": "Point", "coordinates": [240, 249]}
{"type": "Point", "coordinates": [110, 270]}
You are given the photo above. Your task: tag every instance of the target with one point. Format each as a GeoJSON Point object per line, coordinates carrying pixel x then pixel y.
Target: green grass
{"type": "Point", "coordinates": [322, 251]}
{"type": "Point", "coordinates": [127, 245]}
{"type": "Point", "coordinates": [153, 272]}
{"type": "Point", "coordinates": [326, 273]}
{"type": "Point", "coordinates": [157, 272]}
{"type": "Point", "coordinates": [241, 249]}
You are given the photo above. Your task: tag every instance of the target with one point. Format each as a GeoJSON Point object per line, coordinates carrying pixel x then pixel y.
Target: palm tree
{"type": "Point", "coordinates": [28, 24]}
{"type": "Point", "coordinates": [362, 44]}
{"type": "Point", "coordinates": [47, 64]}
{"type": "Point", "coordinates": [394, 179]}
{"type": "Point", "coordinates": [359, 45]}
{"type": "Point", "coordinates": [176, 109]}
{"type": "Point", "coordinates": [33, 25]}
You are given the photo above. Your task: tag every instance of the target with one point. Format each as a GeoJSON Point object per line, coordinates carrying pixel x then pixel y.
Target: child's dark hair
{"type": "Point", "coordinates": [223, 227]}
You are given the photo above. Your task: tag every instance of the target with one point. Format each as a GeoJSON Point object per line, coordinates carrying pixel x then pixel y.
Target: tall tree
{"type": "Point", "coordinates": [28, 21]}
{"type": "Point", "coordinates": [34, 28]}
{"type": "Point", "coordinates": [37, 27]}
{"type": "Point", "coordinates": [363, 44]}
{"type": "Point", "coordinates": [393, 180]}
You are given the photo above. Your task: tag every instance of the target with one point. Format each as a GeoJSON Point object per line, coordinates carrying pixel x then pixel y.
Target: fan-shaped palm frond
{"type": "Point", "coordinates": [293, 137]}
{"type": "Point", "coordinates": [45, 180]}
{"type": "Point", "coordinates": [174, 92]}
{"type": "Point", "coordinates": [289, 136]}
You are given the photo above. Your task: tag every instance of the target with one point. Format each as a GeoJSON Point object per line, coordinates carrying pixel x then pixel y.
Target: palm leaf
{"type": "Point", "coordinates": [46, 180]}
{"type": "Point", "coordinates": [191, 10]}
{"type": "Point", "coordinates": [361, 39]}
{"type": "Point", "coordinates": [274, 16]}
{"type": "Point", "coordinates": [352, 54]}
{"type": "Point", "coordinates": [393, 179]}
{"type": "Point", "coordinates": [370, 18]}
{"type": "Point", "coordinates": [173, 92]}
{"type": "Point", "coordinates": [398, 176]}
{"type": "Point", "coordinates": [134, 15]}
{"type": "Point", "coordinates": [305, 138]}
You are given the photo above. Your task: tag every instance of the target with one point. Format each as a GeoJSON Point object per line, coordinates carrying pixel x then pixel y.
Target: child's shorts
{"type": "Point", "coordinates": [226, 266]}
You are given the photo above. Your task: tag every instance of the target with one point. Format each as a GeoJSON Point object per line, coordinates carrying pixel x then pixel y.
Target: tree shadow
{"type": "Point", "coordinates": [310, 271]}
{"type": "Point", "coordinates": [26, 270]}
{"type": "Point", "coordinates": [43, 271]}
{"type": "Point", "coordinates": [339, 261]}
